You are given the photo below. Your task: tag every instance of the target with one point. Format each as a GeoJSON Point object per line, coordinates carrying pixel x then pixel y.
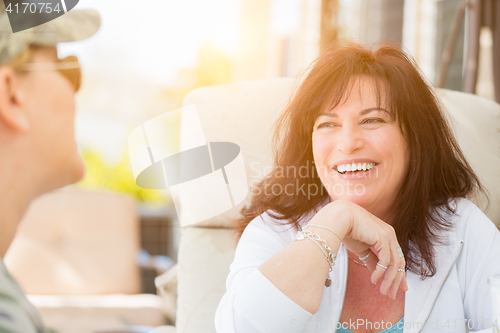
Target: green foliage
{"type": "Point", "coordinates": [115, 177]}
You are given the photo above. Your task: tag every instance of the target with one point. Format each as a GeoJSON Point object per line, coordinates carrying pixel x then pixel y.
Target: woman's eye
{"type": "Point", "coordinates": [326, 125]}
{"type": "Point", "coordinates": [373, 121]}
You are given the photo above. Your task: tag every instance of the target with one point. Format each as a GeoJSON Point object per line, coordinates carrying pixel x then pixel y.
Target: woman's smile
{"type": "Point", "coordinates": [359, 150]}
{"type": "Point", "coordinates": [355, 171]}
{"type": "Point", "coordinates": [354, 167]}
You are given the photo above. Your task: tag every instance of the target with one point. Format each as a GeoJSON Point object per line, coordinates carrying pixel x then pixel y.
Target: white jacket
{"type": "Point", "coordinates": [458, 291]}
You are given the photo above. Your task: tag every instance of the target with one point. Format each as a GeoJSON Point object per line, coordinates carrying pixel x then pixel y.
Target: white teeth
{"type": "Point", "coordinates": [354, 167]}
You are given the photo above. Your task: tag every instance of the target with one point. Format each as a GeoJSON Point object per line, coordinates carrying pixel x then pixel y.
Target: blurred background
{"type": "Point", "coordinates": [149, 54]}
{"type": "Point", "coordinates": [147, 57]}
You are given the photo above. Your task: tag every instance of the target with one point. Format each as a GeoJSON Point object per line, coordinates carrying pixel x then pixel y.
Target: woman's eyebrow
{"type": "Point", "coordinates": [361, 113]}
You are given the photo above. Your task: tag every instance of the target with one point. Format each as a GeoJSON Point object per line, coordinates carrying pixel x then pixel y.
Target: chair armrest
{"type": "Point", "coordinates": [167, 281]}
{"type": "Point", "coordinates": [163, 329]}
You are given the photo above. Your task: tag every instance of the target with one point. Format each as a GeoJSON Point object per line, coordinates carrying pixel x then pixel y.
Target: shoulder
{"type": "Point", "coordinates": [8, 287]}
{"type": "Point", "coordinates": [13, 316]}
{"type": "Point", "coordinates": [468, 213]}
{"type": "Point", "coordinates": [265, 226]}
{"type": "Point", "coordinates": [479, 257]}
{"type": "Point", "coordinates": [262, 238]}
{"type": "Point", "coordinates": [470, 222]}
{"type": "Point", "coordinates": [280, 229]}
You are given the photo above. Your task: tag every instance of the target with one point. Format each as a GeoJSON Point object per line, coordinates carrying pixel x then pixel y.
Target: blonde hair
{"type": "Point", "coordinates": [23, 58]}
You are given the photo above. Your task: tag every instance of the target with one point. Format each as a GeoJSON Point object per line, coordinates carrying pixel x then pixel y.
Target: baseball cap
{"type": "Point", "coordinates": [73, 26]}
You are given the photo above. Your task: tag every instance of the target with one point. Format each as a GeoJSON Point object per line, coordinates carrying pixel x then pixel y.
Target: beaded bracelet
{"type": "Point", "coordinates": [327, 251]}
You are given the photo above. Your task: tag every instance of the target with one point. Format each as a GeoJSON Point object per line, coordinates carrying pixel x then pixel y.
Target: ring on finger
{"type": "Point", "coordinates": [401, 270]}
{"type": "Point", "coordinates": [401, 255]}
{"type": "Point", "coordinates": [379, 264]}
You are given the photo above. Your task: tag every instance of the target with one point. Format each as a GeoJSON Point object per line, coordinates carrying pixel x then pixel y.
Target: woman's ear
{"type": "Point", "coordinates": [13, 112]}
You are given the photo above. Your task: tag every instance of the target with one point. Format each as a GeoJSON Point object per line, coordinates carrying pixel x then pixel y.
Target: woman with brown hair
{"type": "Point", "coordinates": [383, 201]}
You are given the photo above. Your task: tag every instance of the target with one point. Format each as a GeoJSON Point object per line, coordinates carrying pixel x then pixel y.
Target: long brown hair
{"type": "Point", "coordinates": [438, 171]}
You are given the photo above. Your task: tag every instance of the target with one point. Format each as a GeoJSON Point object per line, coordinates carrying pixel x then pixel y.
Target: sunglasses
{"type": "Point", "coordinates": [69, 67]}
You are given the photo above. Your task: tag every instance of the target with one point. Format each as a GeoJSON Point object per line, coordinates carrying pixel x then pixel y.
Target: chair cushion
{"type": "Point", "coordinates": [204, 258]}
{"type": "Point", "coordinates": [76, 242]}
{"type": "Point", "coordinates": [242, 113]}
{"type": "Point", "coordinates": [476, 124]}
{"type": "Point", "coordinates": [84, 314]}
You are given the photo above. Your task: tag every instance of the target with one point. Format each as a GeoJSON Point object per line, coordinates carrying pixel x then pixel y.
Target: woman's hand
{"type": "Point", "coordinates": [363, 232]}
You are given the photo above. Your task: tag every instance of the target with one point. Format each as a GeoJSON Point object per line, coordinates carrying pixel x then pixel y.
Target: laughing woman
{"type": "Point", "coordinates": [390, 241]}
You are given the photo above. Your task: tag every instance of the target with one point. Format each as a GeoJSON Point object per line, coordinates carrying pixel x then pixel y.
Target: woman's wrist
{"type": "Point", "coordinates": [329, 224]}
{"type": "Point", "coordinates": [335, 216]}
{"type": "Point", "coordinates": [331, 239]}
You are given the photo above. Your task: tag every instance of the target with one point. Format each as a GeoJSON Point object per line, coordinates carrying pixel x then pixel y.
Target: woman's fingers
{"type": "Point", "coordinates": [391, 275]}
{"type": "Point", "coordinates": [384, 259]}
{"type": "Point", "coordinates": [385, 256]}
{"type": "Point", "coordinates": [401, 269]}
{"type": "Point", "coordinates": [389, 278]}
{"type": "Point", "coordinates": [405, 282]}
{"type": "Point", "coordinates": [398, 282]}
{"type": "Point", "coordinates": [371, 261]}
{"type": "Point", "coordinates": [389, 261]}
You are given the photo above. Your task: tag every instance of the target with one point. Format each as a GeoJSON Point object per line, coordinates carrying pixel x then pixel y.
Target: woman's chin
{"type": "Point", "coordinates": [358, 199]}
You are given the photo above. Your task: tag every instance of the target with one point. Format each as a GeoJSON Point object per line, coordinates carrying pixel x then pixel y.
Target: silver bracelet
{"type": "Point", "coordinates": [330, 255]}
{"type": "Point", "coordinates": [322, 250]}
{"type": "Point", "coordinates": [322, 226]}
{"type": "Point", "coordinates": [327, 251]}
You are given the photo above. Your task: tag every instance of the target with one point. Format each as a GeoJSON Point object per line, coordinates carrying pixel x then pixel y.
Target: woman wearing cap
{"type": "Point", "coordinates": [389, 241]}
{"type": "Point", "coordinates": [37, 147]}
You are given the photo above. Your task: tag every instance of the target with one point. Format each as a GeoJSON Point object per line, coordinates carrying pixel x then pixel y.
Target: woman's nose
{"type": "Point", "coordinates": [349, 140]}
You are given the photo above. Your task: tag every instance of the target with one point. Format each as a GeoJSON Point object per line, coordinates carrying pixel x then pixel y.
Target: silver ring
{"type": "Point", "coordinates": [379, 264]}
{"type": "Point", "coordinates": [364, 258]}
{"type": "Point", "coordinates": [401, 255]}
{"type": "Point", "coordinates": [401, 270]}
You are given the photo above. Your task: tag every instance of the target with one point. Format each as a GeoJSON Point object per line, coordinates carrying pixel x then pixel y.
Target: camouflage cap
{"type": "Point", "coordinates": [72, 26]}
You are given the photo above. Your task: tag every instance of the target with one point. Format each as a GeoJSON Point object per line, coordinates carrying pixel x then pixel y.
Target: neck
{"type": "Point", "coordinates": [17, 190]}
